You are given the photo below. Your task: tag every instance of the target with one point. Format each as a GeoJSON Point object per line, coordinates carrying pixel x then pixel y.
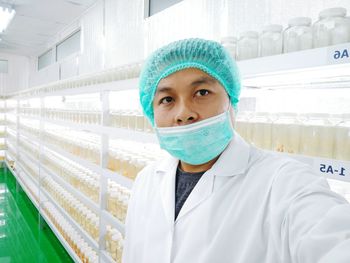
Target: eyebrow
{"type": "Point", "coordinates": [201, 80]}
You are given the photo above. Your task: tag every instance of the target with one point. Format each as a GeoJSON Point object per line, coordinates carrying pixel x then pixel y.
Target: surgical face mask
{"type": "Point", "coordinates": [199, 142]}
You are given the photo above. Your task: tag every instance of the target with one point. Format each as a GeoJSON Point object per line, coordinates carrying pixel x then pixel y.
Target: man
{"type": "Point", "coordinates": [217, 198]}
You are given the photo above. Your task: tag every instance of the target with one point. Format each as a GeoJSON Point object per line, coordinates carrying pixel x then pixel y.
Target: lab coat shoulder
{"type": "Point", "coordinates": [310, 222]}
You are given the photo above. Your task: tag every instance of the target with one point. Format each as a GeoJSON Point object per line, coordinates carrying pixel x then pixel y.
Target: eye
{"type": "Point", "coordinates": [166, 100]}
{"type": "Point", "coordinates": [202, 92]}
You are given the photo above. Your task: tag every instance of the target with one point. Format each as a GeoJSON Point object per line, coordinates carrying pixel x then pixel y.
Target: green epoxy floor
{"type": "Point", "coordinates": [21, 237]}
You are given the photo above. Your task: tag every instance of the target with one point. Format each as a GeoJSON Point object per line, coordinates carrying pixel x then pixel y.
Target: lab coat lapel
{"type": "Point", "coordinates": [233, 161]}
{"type": "Point", "coordinates": [200, 193]}
{"type": "Point", "coordinates": [167, 171]}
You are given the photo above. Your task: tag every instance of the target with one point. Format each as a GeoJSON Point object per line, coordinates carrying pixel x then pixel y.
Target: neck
{"type": "Point", "coordinates": [186, 167]}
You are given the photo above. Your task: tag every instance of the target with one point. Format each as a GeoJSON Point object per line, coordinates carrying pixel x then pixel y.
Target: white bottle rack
{"type": "Point", "coordinates": [272, 67]}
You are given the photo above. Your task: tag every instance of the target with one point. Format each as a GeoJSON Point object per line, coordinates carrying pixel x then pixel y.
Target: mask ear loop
{"type": "Point", "coordinates": [229, 114]}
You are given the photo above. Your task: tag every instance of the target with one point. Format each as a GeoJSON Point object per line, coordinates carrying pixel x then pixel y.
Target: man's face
{"type": "Point", "coordinates": [188, 96]}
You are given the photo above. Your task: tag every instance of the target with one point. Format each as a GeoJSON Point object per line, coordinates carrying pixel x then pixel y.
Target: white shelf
{"type": "Point", "coordinates": [60, 238]}
{"type": "Point", "coordinates": [122, 180]}
{"type": "Point", "coordinates": [80, 196]}
{"type": "Point", "coordinates": [119, 85]}
{"type": "Point", "coordinates": [48, 221]}
{"type": "Point", "coordinates": [28, 156]}
{"type": "Point", "coordinates": [300, 60]}
{"type": "Point", "coordinates": [23, 183]}
{"type": "Point", "coordinates": [76, 226]}
{"type": "Point", "coordinates": [329, 168]}
{"type": "Point", "coordinates": [29, 136]}
{"type": "Point", "coordinates": [113, 221]}
{"type": "Point", "coordinates": [137, 136]}
{"type": "Point", "coordinates": [112, 132]}
{"type": "Point", "coordinates": [105, 257]}
{"type": "Point", "coordinates": [27, 174]}
{"type": "Point", "coordinates": [29, 117]}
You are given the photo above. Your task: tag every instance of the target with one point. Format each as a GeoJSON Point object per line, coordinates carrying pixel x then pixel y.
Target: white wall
{"type": "Point", "coordinates": [114, 32]}
{"type": "Point", "coordinates": [18, 73]}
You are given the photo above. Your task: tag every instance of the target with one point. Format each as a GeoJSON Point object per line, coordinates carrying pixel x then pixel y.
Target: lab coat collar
{"type": "Point", "coordinates": [233, 160]}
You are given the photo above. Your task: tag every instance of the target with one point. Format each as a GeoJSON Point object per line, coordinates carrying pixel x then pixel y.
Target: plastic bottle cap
{"type": "Point", "coordinates": [332, 12]}
{"type": "Point", "coordinates": [299, 21]}
{"type": "Point", "coordinates": [272, 28]}
{"type": "Point", "coordinates": [252, 34]}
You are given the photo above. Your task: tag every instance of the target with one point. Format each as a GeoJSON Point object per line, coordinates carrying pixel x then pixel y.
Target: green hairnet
{"type": "Point", "coordinates": [206, 55]}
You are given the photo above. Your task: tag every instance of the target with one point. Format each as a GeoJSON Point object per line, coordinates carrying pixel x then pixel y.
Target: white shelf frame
{"type": "Point", "coordinates": [19, 179]}
{"type": "Point", "coordinates": [272, 65]}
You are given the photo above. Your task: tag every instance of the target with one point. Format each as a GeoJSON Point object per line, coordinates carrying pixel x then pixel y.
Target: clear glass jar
{"type": "Point", "coordinates": [261, 130]}
{"type": "Point", "coordinates": [286, 133]}
{"type": "Point", "coordinates": [271, 41]}
{"type": "Point", "coordinates": [342, 139]}
{"type": "Point", "coordinates": [316, 136]}
{"type": "Point", "coordinates": [248, 45]}
{"type": "Point", "coordinates": [124, 118]}
{"type": "Point", "coordinates": [139, 121]}
{"type": "Point", "coordinates": [132, 118]}
{"type": "Point", "coordinates": [298, 35]}
{"type": "Point", "coordinates": [230, 43]}
{"type": "Point", "coordinates": [331, 28]}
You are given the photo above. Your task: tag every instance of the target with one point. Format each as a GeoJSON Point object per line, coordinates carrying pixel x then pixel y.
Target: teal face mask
{"type": "Point", "coordinates": [199, 142]}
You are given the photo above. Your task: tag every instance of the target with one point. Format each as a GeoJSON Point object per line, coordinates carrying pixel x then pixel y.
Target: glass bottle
{"type": "Point", "coordinates": [286, 133]}
{"type": "Point", "coordinates": [271, 41]}
{"type": "Point", "coordinates": [298, 35]}
{"type": "Point", "coordinates": [230, 43]}
{"type": "Point", "coordinates": [342, 139]}
{"type": "Point", "coordinates": [332, 28]}
{"type": "Point", "coordinates": [248, 45]}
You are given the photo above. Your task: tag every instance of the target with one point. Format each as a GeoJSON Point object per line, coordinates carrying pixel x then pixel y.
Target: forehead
{"type": "Point", "coordinates": [189, 76]}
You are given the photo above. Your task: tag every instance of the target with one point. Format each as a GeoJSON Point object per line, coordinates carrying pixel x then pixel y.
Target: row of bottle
{"type": "Point", "coordinates": [88, 220]}
{"type": "Point", "coordinates": [127, 119]}
{"type": "Point", "coordinates": [33, 112]}
{"type": "Point", "coordinates": [130, 119]}
{"type": "Point", "coordinates": [74, 240]}
{"type": "Point", "coordinates": [87, 148]}
{"type": "Point", "coordinates": [11, 150]}
{"type": "Point", "coordinates": [114, 243]}
{"type": "Point", "coordinates": [29, 147]}
{"type": "Point", "coordinates": [80, 178]}
{"type": "Point", "coordinates": [10, 119]}
{"type": "Point", "coordinates": [117, 200]}
{"type": "Point", "coordinates": [10, 134]}
{"type": "Point", "coordinates": [318, 135]}
{"type": "Point", "coordinates": [126, 163]}
{"type": "Point", "coordinates": [80, 247]}
{"type": "Point", "coordinates": [30, 168]}
{"type": "Point", "coordinates": [32, 188]}
{"type": "Point", "coordinates": [34, 131]}
{"type": "Point", "coordinates": [121, 73]}
{"type": "Point", "coordinates": [129, 158]}
{"type": "Point", "coordinates": [77, 116]}
{"type": "Point", "coordinates": [333, 27]}
{"type": "Point", "coordinates": [2, 146]}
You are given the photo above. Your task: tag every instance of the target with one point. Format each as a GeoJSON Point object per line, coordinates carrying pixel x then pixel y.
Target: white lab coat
{"type": "Point", "coordinates": [252, 206]}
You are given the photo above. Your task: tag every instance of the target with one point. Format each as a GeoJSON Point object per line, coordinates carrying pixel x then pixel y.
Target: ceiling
{"type": "Point", "coordinates": [37, 22]}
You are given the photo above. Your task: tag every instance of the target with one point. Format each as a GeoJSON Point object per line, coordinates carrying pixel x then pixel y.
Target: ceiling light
{"type": "Point", "coordinates": [6, 15]}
